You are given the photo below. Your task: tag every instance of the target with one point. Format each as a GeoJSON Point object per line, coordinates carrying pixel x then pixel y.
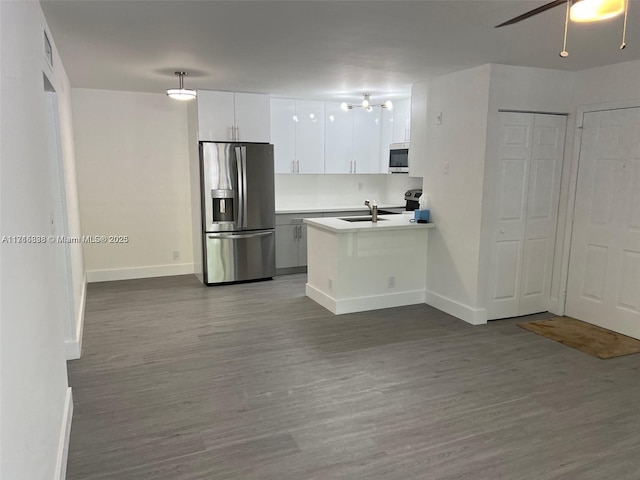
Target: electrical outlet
{"type": "Point", "coordinates": [176, 255]}
{"type": "Point", "coordinates": [392, 282]}
{"type": "Point", "coordinates": [445, 168]}
{"type": "Point", "coordinates": [439, 119]}
{"type": "Point", "coordinates": [331, 284]}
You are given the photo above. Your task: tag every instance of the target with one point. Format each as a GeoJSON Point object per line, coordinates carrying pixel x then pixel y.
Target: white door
{"type": "Point", "coordinates": [252, 116]}
{"type": "Point", "coordinates": [283, 134]}
{"type": "Point", "coordinates": [309, 136]}
{"type": "Point", "coordinates": [366, 140]}
{"type": "Point", "coordinates": [216, 117]}
{"type": "Point", "coordinates": [528, 169]}
{"type": "Point", "coordinates": [604, 265]}
{"type": "Point", "coordinates": [338, 144]}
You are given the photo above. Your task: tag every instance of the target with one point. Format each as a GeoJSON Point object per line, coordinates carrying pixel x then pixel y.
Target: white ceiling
{"type": "Point", "coordinates": [315, 49]}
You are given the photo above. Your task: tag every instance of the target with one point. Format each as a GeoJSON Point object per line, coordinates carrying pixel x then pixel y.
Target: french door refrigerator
{"type": "Point", "coordinates": [234, 238]}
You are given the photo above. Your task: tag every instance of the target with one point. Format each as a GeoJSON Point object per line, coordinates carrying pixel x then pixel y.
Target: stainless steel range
{"type": "Point", "coordinates": [234, 227]}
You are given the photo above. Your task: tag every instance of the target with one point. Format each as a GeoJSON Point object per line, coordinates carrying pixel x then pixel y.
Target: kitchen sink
{"type": "Point", "coordinates": [360, 219]}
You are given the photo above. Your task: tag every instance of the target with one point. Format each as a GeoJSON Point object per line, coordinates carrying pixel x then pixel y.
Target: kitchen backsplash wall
{"type": "Point", "coordinates": [310, 191]}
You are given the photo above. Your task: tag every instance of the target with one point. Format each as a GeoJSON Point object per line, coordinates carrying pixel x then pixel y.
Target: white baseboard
{"type": "Point", "coordinates": [474, 316]}
{"type": "Point", "coordinates": [73, 348]}
{"type": "Point", "coordinates": [63, 442]}
{"type": "Point", "coordinates": [94, 276]}
{"type": "Point", "coordinates": [362, 304]}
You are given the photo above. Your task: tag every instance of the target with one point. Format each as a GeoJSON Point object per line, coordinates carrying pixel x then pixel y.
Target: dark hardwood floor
{"type": "Point", "coordinates": [256, 381]}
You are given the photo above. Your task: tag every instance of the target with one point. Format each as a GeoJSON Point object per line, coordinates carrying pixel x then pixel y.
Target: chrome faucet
{"type": "Point", "coordinates": [373, 208]}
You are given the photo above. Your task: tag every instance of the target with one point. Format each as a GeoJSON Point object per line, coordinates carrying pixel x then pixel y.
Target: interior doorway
{"type": "Point", "coordinates": [58, 216]}
{"type": "Point", "coordinates": [603, 284]}
{"type": "Point", "coordinates": [528, 167]}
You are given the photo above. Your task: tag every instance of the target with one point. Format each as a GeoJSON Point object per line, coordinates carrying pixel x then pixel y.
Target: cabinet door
{"type": "Point", "coordinates": [387, 122]}
{"type": "Point", "coordinates": [287, 244]}
{"type": "Point", "coordinates": [215, 116]}
{"type": "Point", "coordinates": [283, 134]}
{"type": "Point", "coordinates": [252, 117]}
{"type": "Point", "coordinates": [401, 121]}
{"type": "Point", "coordinates": [309, 136]}
{"type": "Point", "coordinates": [366, 140]}
{"type": "Point", "coordinates": [338, 144]}
{"type": "Point", "coordinates": [302, 250]}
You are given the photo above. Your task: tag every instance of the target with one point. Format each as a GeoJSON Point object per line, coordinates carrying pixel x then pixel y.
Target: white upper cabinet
{"type": "Point", "coordinates": [401, 121]}
{"type": "Point", "coordinates": [309, 136]}
{"type": "Point", "coordinates": [386, 137]}
{"type": "Point", "coordinates": [283, 134]}
{"type": "Point", "coordinates": [228, 116]}
{"type": "Point", "coordinates": [319, 137]}
{"type": "Point", "coordinates": [338, 140]}
{"type": "Point", "coordinates": [252, 117]}
{"type": "Point", "coordinates": [366, 140]}
{"type": "Point", "coordinates": [297, 134]}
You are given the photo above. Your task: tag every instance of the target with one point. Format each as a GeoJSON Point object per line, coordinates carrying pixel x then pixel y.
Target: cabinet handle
{"type": "Point", "coordinates": [355, 166]}
{"type": "Point", "coordinates": [293, 166]}
{"type": "Point", "coordinates": [298, 166]}
{"type": "Point", "coordinates": [295, 232]}
{"type": "Point", "coordinates": [351, 166]}
{"type": "Point", "coordinates": [299, 232]}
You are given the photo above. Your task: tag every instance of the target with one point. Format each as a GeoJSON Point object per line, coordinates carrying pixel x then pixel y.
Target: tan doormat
{"type": "Point", "coordinates": [587, 338]}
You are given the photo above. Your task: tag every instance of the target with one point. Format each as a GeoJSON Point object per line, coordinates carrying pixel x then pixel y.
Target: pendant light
{"type": "Point", "coordinates": [366, 104]}
{"type": "Point", "coordinates": [181, 93]}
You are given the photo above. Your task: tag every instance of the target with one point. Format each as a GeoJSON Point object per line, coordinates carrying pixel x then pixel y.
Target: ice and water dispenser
{"type": "Point", "coordinates": [224, 206]}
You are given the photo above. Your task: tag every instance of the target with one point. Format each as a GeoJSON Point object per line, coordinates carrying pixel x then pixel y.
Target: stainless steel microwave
{"type": "Point", "coordinates": [399, 158]}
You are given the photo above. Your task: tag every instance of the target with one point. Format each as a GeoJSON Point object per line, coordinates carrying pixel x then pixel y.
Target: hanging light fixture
{"type": "Point", "coordinates": [595, 10]}
{"type": "Point", "coordinates": [366, 104]}
{"type": "Point", "coordinates": [181, 93]}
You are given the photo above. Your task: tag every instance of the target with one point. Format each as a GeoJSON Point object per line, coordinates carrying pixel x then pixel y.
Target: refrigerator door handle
{"type": "Point", "coordinates": [213, 236]}
{"type": "Point", "coordinates": [241, 160]}
{"type": "Point", "coordinates": [240, 189]}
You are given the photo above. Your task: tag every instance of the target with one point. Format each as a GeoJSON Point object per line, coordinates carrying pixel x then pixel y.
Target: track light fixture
{"type": "Point", "coordinates": [366, 104]}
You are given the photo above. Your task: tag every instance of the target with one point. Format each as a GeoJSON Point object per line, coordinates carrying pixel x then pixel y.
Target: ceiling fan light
{"type": "Point", "coordinates": [345, 106]}
{"type": "Point", "coordinates": [181, 93]}
{"type": "Point", "coordinates": [365, 101]}
{"type": "Point", "coordinates": [388, 105]}
{"type": "Point", "coordinates": [595, 10]}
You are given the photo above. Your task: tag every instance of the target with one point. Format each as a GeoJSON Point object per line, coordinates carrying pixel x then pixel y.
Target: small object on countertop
{"type": "Point", "coordinates": [422, 221]}
{"type": "Point", "coordinates": [421, 215]}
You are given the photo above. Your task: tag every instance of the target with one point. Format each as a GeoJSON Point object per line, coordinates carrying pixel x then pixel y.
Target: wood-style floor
{"type": "Point", "coordinates": [256, 381]}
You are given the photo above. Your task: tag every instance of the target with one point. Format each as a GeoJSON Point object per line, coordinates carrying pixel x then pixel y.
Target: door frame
{"type": "Point", "coordinates": [573, 185]}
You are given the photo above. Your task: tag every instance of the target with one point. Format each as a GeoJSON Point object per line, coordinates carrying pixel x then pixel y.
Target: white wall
{"type": "Point", "coordinates": [456, 197]}
{"type": "Point", "coordinates": [34, 397]}
{"type": "Point", "coordinates": [133, 174]}
{"type": "Point", "coordinates": [320, 191]}
{"type": "Point", "coordinates": [612, 83]}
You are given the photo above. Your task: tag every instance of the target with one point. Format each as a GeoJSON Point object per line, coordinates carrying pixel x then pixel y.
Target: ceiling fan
{"type": "Point", "coordinates": [580, 11]}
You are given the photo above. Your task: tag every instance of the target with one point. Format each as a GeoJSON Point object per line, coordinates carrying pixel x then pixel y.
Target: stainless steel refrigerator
{"type": "Point", "coordinates": [234, 238]}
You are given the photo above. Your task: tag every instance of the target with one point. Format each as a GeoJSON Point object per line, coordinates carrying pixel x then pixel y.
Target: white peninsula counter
{"type": "Point", "coordinates": [358, 266]}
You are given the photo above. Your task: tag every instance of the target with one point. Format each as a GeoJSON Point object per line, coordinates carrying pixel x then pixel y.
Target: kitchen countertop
{"type": "Point", "coordinates": [343, 208]}
{"type": "Point", "coordinates": [385, 222]}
